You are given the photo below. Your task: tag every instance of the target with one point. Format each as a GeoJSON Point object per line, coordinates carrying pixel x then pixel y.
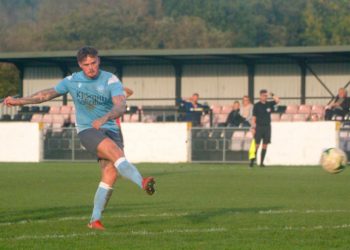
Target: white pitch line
{"type": "Point", "coordinates": [75, 235]}
{"type": "Point", "coordinates": [309, 211]}
{"type": "Point", "coordinates": [87, 218]}
{"type": "Point", "coordinates": [175, 231]}
{"type": "Point", "coordinates": [293, 228]}
{"type": "Point", "coordinates": [261, 212]}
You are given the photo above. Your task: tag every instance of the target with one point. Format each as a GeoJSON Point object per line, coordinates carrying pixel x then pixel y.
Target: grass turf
{"type": "Point", "coordinates": [197, 206]}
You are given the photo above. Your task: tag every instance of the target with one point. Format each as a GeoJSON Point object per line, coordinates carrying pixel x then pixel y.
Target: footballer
{"type": "Point", "coordinates": [99, 101]}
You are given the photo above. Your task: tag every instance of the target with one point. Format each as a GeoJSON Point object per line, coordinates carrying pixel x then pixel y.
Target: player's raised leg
{"type": "Point", "coordinates": [107, 149]}
{"type": "Point", "coordinates": [103, 193]}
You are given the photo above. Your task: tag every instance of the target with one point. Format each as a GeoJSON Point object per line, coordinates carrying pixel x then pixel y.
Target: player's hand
{"type": "Point", "coordinates": [98, 123]}
{"type": "Point", "coordinates": [10, 101]}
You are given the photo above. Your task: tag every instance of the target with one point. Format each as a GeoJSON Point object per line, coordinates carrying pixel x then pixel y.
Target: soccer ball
{"type": "Point", "coordinates": [333, 160]}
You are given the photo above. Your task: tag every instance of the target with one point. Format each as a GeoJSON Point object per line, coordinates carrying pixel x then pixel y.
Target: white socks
{"type": "Point", "coordinates": [129, 171]}
{"type": "Point", "coordinates": [103, 193]}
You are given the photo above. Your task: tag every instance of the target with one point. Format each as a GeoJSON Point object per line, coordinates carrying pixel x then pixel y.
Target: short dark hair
{"type": "Point", "coordinates": [85, 52]}
{"type": "Point", "coordinates": [263, 91]}
{"type": "Point", "coordinates": [195, 94]}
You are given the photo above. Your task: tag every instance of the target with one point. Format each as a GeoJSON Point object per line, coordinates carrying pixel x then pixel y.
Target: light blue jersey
{"type": "Point", "coordinates": [92, 97]}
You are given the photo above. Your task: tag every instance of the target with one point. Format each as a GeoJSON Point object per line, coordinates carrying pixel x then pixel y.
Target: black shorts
{"type": "Point", "coordinates": [91, 137]}
{"type": "Point", "coordinates": [263, 133]}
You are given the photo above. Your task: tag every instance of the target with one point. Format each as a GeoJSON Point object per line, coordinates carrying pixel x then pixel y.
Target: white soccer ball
{"type": "Point", "coordinates": [333, 160]}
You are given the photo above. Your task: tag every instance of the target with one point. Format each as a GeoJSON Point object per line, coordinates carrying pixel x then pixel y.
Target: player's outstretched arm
{"type": "Point", "coordinates": [119, 107]}
{"type": "Point", "coordinates": [38, 97]}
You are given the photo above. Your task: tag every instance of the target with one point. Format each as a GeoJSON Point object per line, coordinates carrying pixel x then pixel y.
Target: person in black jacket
{"type": "Point", "coordinates": [234, 119]}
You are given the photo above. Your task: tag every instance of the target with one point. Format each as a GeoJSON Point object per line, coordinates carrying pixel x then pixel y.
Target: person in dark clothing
{"type": "Point", "coordinates": [261, 123]}
{"type": "Point", "coordinates": [234, 119]}
{"type": "Point", "coordinates": [193, 110]}
{"type": "Point", "coordinates": [339, 106]}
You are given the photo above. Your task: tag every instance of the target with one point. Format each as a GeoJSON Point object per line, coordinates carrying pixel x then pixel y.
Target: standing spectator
{"type": "Point", "coordinates": [246, 111]}
{"type": "Point", "coordinates": [193, 110]}
{"type": "Point", "coordinates": [234, 119]}
{"type": "Point", "coordinates": [261, 123]}
{"type": "Point", "coordinates": [339, 106]}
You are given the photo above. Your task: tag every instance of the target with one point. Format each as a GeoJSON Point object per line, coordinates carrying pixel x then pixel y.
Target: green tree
{"type": "Point", "coordinates": [28, 25]}
{"type": "Point", "coordinates": [8, 80]}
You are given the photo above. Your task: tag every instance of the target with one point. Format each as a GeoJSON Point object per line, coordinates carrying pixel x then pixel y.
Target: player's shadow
{"type": "Point", "coordinates": [201, 216]}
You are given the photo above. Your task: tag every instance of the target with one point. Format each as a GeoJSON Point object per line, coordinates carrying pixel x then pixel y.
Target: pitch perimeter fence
{"type": "Point", "coordinates": [207, 145]}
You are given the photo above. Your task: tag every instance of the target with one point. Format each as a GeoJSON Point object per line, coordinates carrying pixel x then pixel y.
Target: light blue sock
{"type": "Point", "coordinates": [129, 171]}
{"type": "Point", "coordinates": [103, 193]}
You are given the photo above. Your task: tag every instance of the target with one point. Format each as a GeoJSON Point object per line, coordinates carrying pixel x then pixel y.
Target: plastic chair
{"type": "Point", "coordinates": [237, 140]}
{"type": "Point", "coordinates": [300, 117]}
{"type": "Point", "coordinates": [216, 108]}
{"type": "Point", "coordinates": [37, 118]}
{"type": "Point", "coordinates": [286, 118]}
{"type": "Point", "coordinates": [226, 109]}
{"type": "Point", "coordinates": [319, 110]}
{"type": "Point", "coordinates": [72, 119]}
{"type": "Point", "coordinates": [55, 110]}
{"type": "Point", "coordinates": [304, 109]}
{"type": "Point", "coordinates": [292, 109]}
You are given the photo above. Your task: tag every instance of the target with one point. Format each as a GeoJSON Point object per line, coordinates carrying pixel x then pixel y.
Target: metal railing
{"type": "Point", "coordinates": [4, 110]}
{"type": "Point", "coordinates": [220, 144]}
{"type": "Point", "coordinates": [64, 144]}
{"type": "Point", "coordinates": [207, 145]}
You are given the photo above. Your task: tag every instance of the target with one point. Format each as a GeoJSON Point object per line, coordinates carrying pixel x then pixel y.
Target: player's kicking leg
{"type": "Point", "coordinates": [107, 149]}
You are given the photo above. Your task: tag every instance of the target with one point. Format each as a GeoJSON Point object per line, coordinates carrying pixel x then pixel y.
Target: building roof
{"type": "Point", "coordinates": [189, 56]}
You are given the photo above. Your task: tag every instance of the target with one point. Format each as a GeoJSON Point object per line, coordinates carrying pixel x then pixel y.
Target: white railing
{"type": "Point", "coordinates": [4, 110]}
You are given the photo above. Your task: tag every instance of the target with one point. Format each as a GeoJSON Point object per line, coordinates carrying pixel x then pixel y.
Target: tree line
{"type": "Point", "coordinates": [43, 25]}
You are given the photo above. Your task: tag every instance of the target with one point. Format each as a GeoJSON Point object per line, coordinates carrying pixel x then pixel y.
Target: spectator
{"type": "Point", "coordinates": [246, 111]}
{"type": "Point", "coordinates": [234, 119]}
{"type": "Point", "coordinates": [314, 118]}
{"type": "Point", "coordinates": [193, 110]}
{"type": "Point", "coordinates": [339, 106]}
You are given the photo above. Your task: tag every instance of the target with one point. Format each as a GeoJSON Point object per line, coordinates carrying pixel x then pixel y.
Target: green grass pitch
{"type": "Point", "coordinates": [197, 206]}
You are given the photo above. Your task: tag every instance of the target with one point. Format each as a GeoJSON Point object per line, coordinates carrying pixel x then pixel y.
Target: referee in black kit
{"type": "Point", "coordinates": [261, 123]}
